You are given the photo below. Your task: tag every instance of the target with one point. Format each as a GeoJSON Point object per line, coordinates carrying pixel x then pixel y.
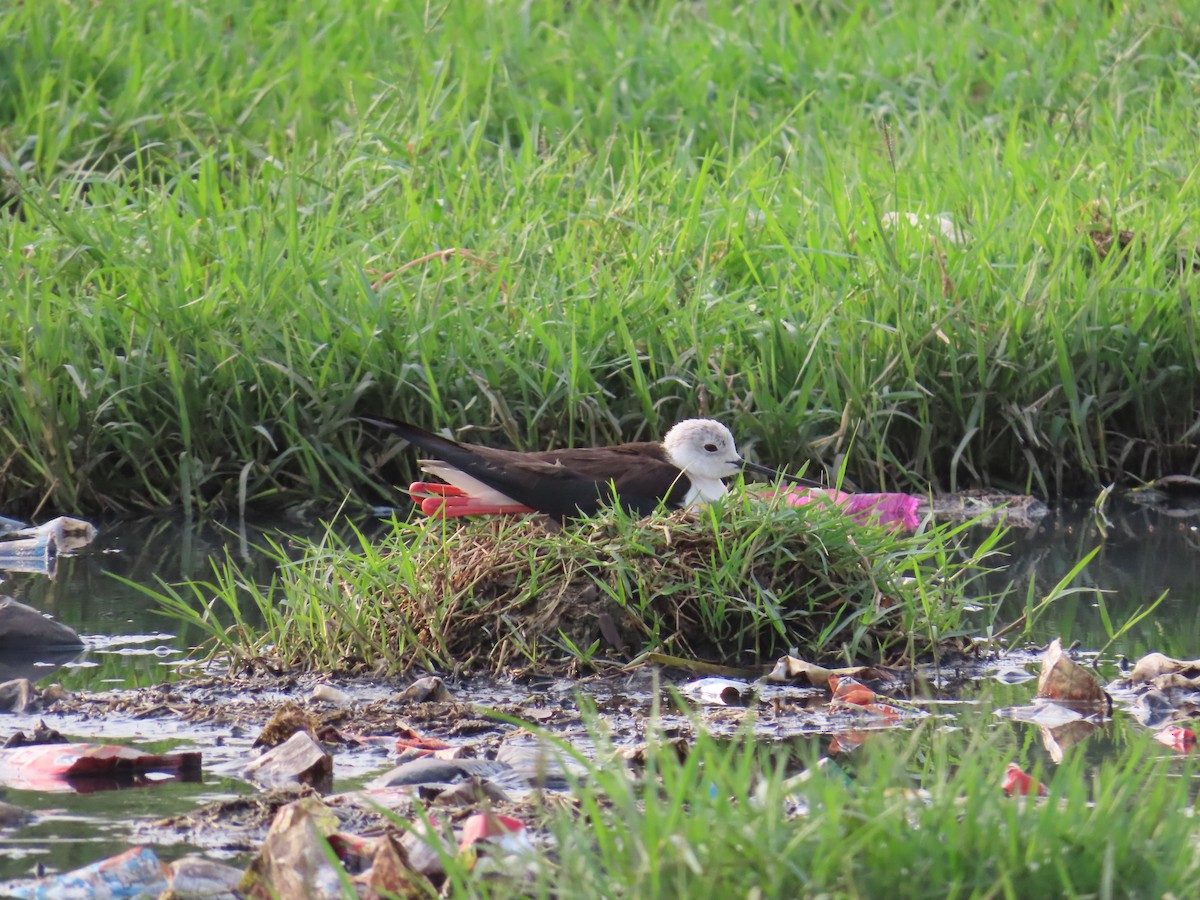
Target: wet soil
{"type": "Point", "coordinates": [371, 726]}
{"type": "Point", "coordinates": [402, 750]}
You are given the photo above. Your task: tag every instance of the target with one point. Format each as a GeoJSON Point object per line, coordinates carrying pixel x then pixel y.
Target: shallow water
{"type": "Point", "coordinates": [1143, 553]}
{"type": "Point", "coordinates": [129, 641]}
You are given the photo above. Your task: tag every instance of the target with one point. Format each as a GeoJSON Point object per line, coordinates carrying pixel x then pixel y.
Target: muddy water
{"type": "Point", "coordinates": [129, 642]}
{"type": "Point", "coordinates": [129, 645]}
{"type": "Point", "coordinates": [1143, 553]}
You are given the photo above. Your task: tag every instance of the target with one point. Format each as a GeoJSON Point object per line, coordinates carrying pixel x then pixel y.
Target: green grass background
{"type": "Point", "coordinates": [219, 219]}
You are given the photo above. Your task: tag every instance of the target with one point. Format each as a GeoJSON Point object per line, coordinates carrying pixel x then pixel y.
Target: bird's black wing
{"type": "Point", "coordinates": [559, 483]}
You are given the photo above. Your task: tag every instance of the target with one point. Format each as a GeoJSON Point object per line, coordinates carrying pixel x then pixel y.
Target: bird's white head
{"type": "Point", "coordinates": [703, 448]}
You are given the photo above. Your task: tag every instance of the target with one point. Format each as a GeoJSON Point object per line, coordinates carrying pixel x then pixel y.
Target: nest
{"type": "Point", "coordinates": [717, 585]}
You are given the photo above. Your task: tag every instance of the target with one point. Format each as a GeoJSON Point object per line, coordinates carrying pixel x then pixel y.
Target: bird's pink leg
{"type": "Point", "coordinates": [447, 501]}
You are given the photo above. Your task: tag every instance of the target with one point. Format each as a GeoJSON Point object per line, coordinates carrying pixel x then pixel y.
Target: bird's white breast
{"type": "Point", "coordinates": [704, 490]}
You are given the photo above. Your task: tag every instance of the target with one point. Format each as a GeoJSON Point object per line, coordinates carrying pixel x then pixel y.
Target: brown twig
{"type": "Point", "coordinates": [468, 255]}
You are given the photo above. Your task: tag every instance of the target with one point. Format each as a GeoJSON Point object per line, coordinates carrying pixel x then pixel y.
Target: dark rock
{"type": "Point", "coordinates": [25, 630]}
{"type": "Point", "coordinates": [429, 689]}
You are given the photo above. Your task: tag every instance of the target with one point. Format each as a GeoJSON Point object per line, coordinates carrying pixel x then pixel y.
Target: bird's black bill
{"type": "Point", "coordinates": [775, 475]}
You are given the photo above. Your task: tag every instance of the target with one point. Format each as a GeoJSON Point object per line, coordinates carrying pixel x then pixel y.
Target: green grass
{"type": "Point", "coordinates": [739, 584]}
{"type": "Point", "coordinates": [916, 815]}
{"type": "Point", "coordinates": [666, 209]}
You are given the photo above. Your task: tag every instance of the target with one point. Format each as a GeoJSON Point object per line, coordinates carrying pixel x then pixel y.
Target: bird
{"type": "Point", "coordinates": [687, 468]}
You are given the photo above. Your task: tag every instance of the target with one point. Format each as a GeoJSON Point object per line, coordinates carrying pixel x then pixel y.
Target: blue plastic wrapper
{"type": "Point", "coordinates": [134, 873]}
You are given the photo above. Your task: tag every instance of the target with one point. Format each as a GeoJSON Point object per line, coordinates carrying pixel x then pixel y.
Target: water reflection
{"type": "Point", "coordinates": [1143, 552]}
{"type": "Point", "coordinates": [129, 642]}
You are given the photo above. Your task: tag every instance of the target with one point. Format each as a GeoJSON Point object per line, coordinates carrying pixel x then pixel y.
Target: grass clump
{"type": "Point", "coordinates": [736, 583]}
{"type": "Point", "coordinates": [917, 815]}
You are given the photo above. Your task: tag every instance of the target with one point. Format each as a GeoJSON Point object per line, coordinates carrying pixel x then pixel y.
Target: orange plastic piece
{"type": "Point", "coordinates": [1018, 782]}
{"type": "Point", "coordinates": [1178, 738]}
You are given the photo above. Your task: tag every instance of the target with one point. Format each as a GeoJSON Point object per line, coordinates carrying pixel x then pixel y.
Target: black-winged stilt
{"type": "Point", "coordinates": [686, 468]}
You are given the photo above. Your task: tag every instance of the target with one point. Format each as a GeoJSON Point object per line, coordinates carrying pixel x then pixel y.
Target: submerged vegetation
{"type": "Point", "coordinates": [946, 245]}
{"type": "Point", "coordinates": [737, 584]}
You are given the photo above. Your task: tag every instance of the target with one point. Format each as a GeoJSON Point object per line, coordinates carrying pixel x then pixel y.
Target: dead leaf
{"type": "Point", "coordinates": [298, 759]}
{"type": "Point", "coordinates": [1063, 681]}
{"type": "Point", "coordinates": [803, 672]}
{"type": "Point", "coordinates": [1057, 740]}
{"type": "Point", "coordinates": [1175, 681]}
{"type": "Point", "coordinates": [390, 874]}
{"type": "Point", "coordinates": [1153, 665]}
{"type": "Point", "coordinates": [293, 861]}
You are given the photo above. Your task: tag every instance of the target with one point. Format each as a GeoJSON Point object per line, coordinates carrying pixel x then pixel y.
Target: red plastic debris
{"type": "Point", "coordinates": [1178, 738]}
{"type": "Point", "coordinates": [1018, 782]}
{"type": "Point", "coordinates": [484, 825]}
{"type": "Point", "coordinates": [407, 738]}
{"type": "Point", "coordinates": [84, 767]}
{"type": "Point", "coordinates": [849, 692]}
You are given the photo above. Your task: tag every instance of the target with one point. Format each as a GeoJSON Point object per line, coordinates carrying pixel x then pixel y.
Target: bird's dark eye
{"type": "Point", "coordinates": [711, 448]}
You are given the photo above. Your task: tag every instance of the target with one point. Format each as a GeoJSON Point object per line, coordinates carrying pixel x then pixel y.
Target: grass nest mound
{"type": "Point", "coordinates": [737, 583]}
